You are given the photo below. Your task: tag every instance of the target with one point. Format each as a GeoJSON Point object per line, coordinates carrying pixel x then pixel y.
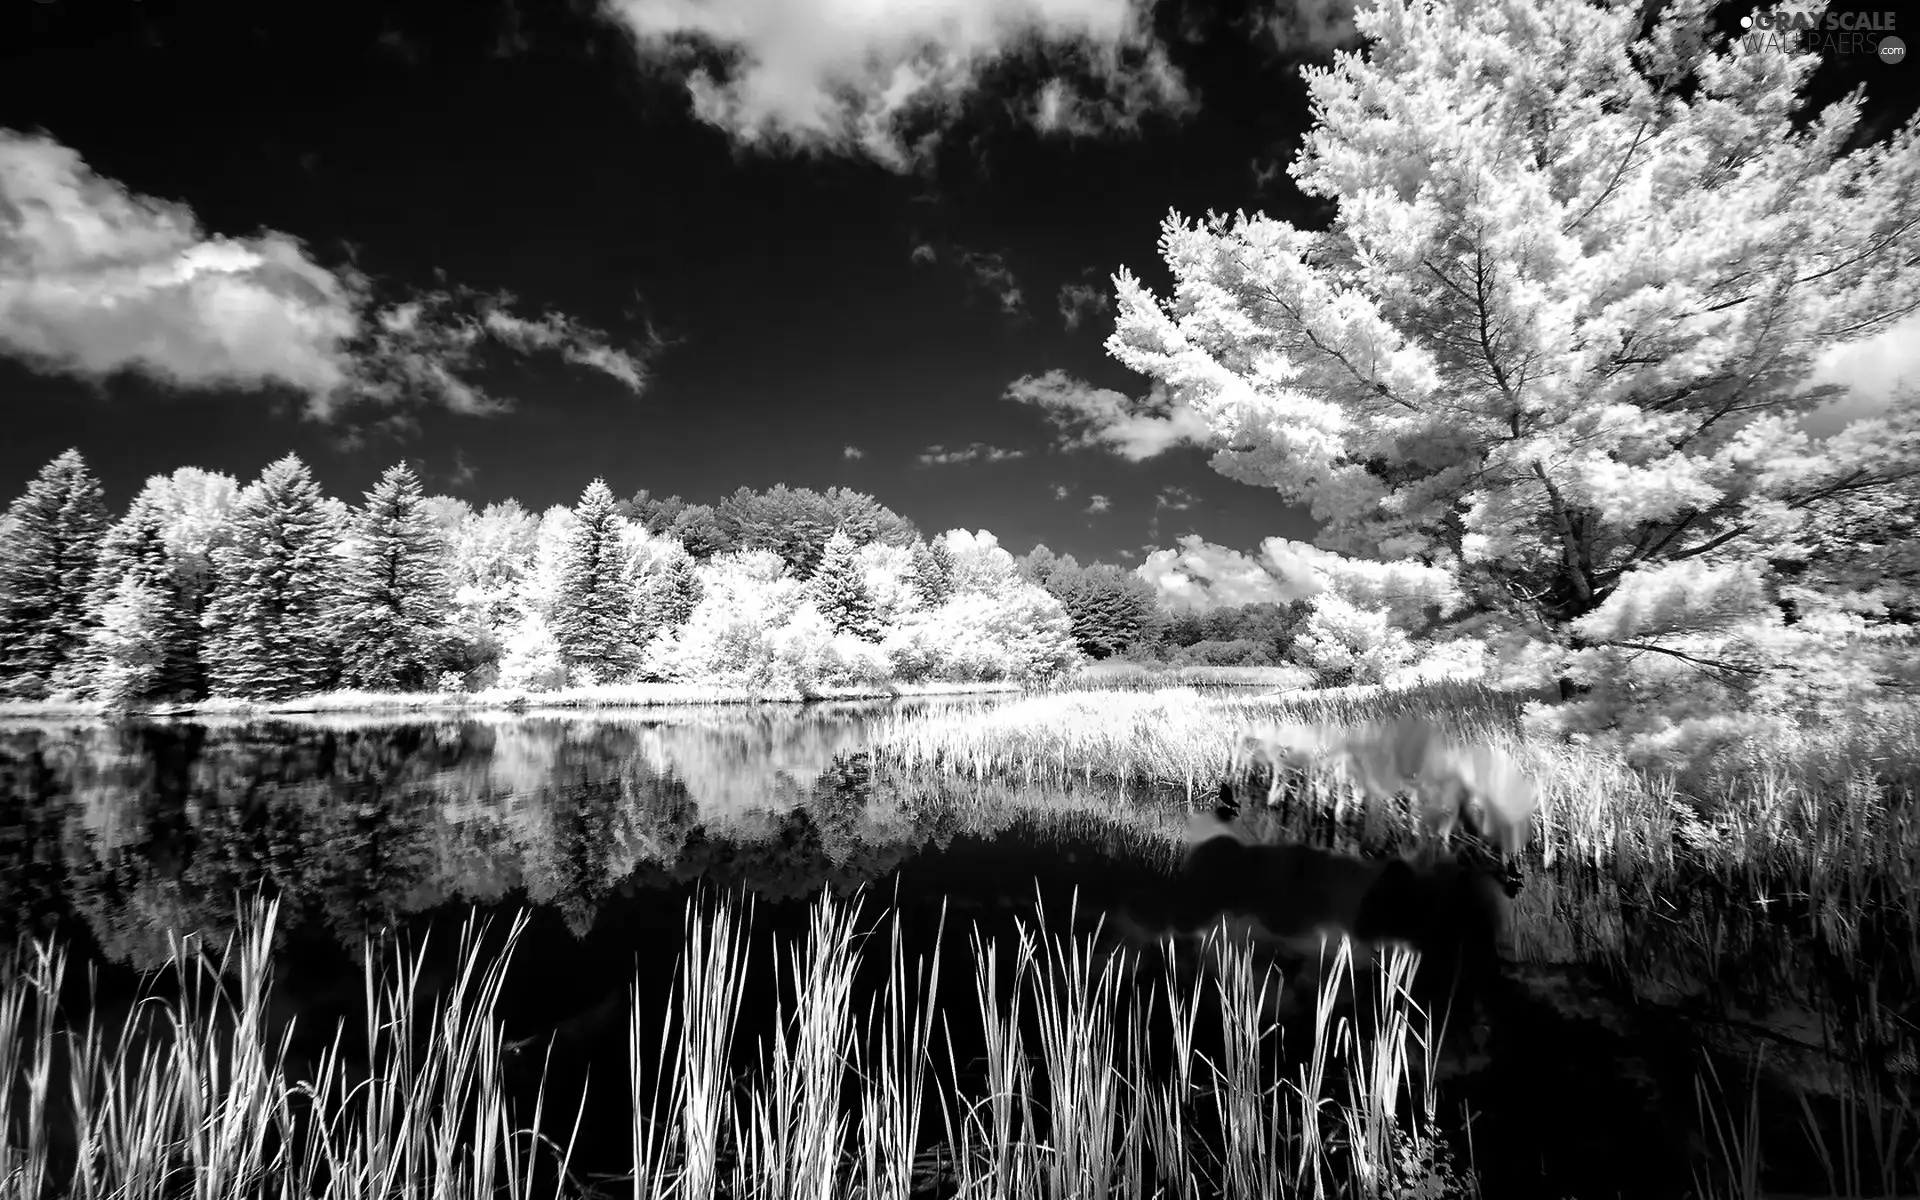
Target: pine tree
{"type": "Point", "coordinates": [395, 609]}
{"type": "Point", "coordinates": [932, 577]}
{"type": "Point", "coordinates": [593, 617]}
{"type": "Point", "coordinates": [840, 590]}
{"type": "Point", "coordinates": [46, 565]}
{"type": "Point", "coordinates": [667, 599]}
{"type": "Point", "coordinates": [267, 623]}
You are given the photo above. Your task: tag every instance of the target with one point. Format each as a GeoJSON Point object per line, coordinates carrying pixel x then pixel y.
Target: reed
{"type": "Point", "coordinates": [1080, 1089]}
{"type": "Point", "coordinates": [1824, 809]}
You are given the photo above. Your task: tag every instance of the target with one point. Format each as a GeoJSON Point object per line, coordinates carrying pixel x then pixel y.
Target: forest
{"type": "Point", "coordinates": [275, 590]}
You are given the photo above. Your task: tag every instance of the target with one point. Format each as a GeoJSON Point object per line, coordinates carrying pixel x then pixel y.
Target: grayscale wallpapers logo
{"type": "Point", "coordinates": [1823, 33]}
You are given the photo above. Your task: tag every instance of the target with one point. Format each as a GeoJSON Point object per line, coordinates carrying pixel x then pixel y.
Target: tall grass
{"type": "Point", "coordinates": [1087, 1082]}
{"type": "Point", "coordinates": [1825, 810]}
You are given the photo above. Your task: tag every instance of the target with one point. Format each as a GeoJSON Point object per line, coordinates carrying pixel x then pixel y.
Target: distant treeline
{"type": "Point", "coordinates": [276, 590]}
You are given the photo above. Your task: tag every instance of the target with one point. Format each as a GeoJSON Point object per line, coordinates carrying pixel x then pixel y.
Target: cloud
{"type": "Point", "coordinates": [1088, 416]}
{"type": "Point", "coordinates": [463, 472]}
{"type": "Point", "coordinates": [881, 77]}
{"type": "Point", "coordinates": [1081, 300]}
{"type": "Point", "coordinates": [985, 270]}
{"type": "Point", "coordinates": [1061, 491]}
{"type": "Point", "coordinates": [1178, 499]}
{"type": "Point", "coordinates": [940, 456]}
{"type": "Point", "coordinates": [96, 280]}
{"type": "Point", "coordinates": [1870, 370]}
{"type": "Point", "coordinates": [852, 452]}
{"type": "Point", "coordinates": [1097, 503]}
{"type": "Point", "coordinates": [991, 274]}
{"type": "Point", "coordinates": [1201, 575]}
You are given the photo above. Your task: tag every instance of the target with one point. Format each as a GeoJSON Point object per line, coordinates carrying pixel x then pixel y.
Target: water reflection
{"type": "Point", "coordinates": [1615, 986]}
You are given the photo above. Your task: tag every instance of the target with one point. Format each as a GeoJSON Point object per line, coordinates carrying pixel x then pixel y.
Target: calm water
{"type": "Point", "coordinates": [1607, 995]}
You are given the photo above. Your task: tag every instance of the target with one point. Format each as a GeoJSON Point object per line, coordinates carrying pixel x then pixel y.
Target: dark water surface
{"type": "Point", "coordinates": [1610, 994]}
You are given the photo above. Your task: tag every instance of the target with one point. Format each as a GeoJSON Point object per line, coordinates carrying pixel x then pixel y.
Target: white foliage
{"type": "Point", "coordinates": [1346, 643]}
{"type": "Point", "coordinates": [979, 564]}
{"type": "Point", "coordinates": [1560, 333]}
{"type": "Point", "coordinates": [888, 574]}
{"type": "Point", "coordinates": [539, 587]}
{"type": "Point", "coordinates": [532, 661]}
{"type": "Point", "coordinates": [745, 597]}
{"type": "Point", "coordinates": [1020, 633]}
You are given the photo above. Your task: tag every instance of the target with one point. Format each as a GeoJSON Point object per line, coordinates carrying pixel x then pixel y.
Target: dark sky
{"type": "Point", "coordinates": [787, 302]}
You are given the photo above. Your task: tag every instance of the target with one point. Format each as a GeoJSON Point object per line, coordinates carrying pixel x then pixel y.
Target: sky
{"type": "Point", "coordinates": [684, 245]}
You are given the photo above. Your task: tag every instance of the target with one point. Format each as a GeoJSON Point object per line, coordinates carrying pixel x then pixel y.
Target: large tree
{"type": "Point", "coordinates": [394, 605]}
{"type": "Point", "coordinates": [269, 631]}
{"type": "Point", "coordinates": [1557, 340]}
{"type": "Point", "coordinates": [593, 612]}
{"type": "Point", "coordinates": [839, 590]}
{"type": "Point", "coordinates": [51, 536]}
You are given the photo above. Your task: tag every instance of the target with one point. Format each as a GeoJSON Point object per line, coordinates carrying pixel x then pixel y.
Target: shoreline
{"type": "Point", "coordinates": [620, 696]}
{"type": "Point", "coordinates": [642, 695]}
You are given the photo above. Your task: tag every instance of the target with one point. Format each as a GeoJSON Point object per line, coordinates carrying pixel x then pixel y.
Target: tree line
{"type": "Point", "coordinates": [274, 590]}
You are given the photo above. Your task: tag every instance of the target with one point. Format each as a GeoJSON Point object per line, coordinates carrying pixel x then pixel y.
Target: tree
{"type": "Point", "coordinates": [155, 570]}
{"type": "Point", "coordinates": [129, 642]}
{"type": "Point", "coordinates": [1109, 607]}
{"type": "Point", "coordinates": [932, 578]}
{"type": "Point", "coordinates": [53, 534]}
{"type": "Point", "coordinates": [699, 530]}
{"type": "Point", "coordinates": [593, 618]}
{"type": "Point", "coordinates": [839, 590]}
{"type": "Point", "coordinates": [668, 597]}
{"type": "Point", "coordinates": [1039, 564]}
{"type": "Point", "coordinates": [1556, 341]}
{"type": "Point", "coordinates": [394, 603]}
{"type": "Point", "coordinates": [268, 630]}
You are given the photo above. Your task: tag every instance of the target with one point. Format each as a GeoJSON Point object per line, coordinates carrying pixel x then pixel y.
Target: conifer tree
{"type": "Point", "coordinates": [932, 577]}
{"type": "Point", "coordinates": [593, 615]}
{"type": "Point", "coordinates": [840, 591]}
{"type": "Point", "coordinates": [268, 636]}
{"type": "Point", "coordinates": [667, 599]}
{"type": "Point", "coordinates": [46, 565]}
{"type": "Point", "coordinates": [395, 609]}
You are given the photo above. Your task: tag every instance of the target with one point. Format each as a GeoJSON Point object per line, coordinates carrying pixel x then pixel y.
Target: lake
{"type": "Point", "coordinates": [1608, 995]}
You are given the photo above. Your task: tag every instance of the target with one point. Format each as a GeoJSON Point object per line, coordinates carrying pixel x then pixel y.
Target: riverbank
{"type": "Point", "coordinates": [633, 695]}
{"type": "Point", "coordinates": [1098, 676]}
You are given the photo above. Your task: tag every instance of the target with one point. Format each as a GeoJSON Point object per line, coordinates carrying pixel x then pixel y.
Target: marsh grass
{"type": "Point", "coordinates": [1119, 675]}
{"type": "Point", "coordinates": [1084, 1084]}
{"type": "Point", "coordinates": [1824, 810]}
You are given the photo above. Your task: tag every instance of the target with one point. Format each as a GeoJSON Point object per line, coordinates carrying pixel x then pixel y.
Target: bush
{"type": "Point", "coordinates": [1240, 652]}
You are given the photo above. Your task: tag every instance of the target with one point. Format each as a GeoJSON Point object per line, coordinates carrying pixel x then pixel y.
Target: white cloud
{"type": "Point", "coordinates": [1081, 300]}
{"type": "Point", "coordinates": [852, 452]}
{"type": "Point", "coordinates": [924, 252]}
{"type": "Point", "coordinates": [1090, 416]}
{"type": "Point", "coordinates": [941, 456]}
{"type": "Point", "coordinates": [1870, 371]}
{"type": "Point", "coordinates": [1061, 491]}
{"type": "Point", "coordinates": [1097, 503]}
{"type": "Point", "coordinates": [1202, 575]}
{"type": "Point", "coordinates": [851, 76]}
{"type": "Point", "coordinates": [1178, 499]}
{"type": "Point", "coordinates": [96, 280]}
